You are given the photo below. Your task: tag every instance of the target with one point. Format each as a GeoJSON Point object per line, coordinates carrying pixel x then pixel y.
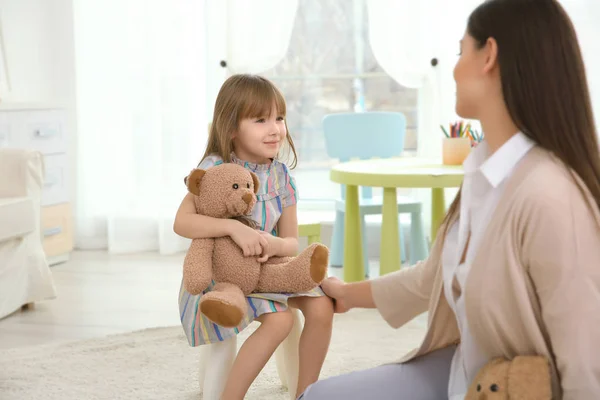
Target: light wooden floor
{"type": "Point", "coordinates": [100, 294]}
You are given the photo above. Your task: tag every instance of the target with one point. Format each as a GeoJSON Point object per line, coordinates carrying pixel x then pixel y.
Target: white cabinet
{"type": "Point", "coordinates": [44, 128]}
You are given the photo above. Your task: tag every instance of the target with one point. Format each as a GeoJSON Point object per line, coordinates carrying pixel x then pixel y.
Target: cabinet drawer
{"type": "Point", "coordinates": [7, 127]}
{"type": "Point", "coordinates": [4, 135]}
{"type": "Point", "coordinates": [56, 189]}
{"type": "Point", "coordinates": [42, 130]}
{"type": "Point", "coordinates": [57, 229]}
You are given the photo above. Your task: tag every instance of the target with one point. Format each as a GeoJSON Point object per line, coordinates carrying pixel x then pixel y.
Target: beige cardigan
{"type": "Point", "coordinates": [534, 285]}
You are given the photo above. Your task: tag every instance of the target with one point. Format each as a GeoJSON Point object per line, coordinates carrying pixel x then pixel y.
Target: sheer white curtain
{"type": "Point", "coordinates": [259, 33]}
{"type": "Point", "coordinates": [585, 15]}
{"type": "Point", "coordinates": [249, 36]}
{"type": "Point", "coordinates": [406, 36]}
{"type": "Point", "coordinates": [141, 119]}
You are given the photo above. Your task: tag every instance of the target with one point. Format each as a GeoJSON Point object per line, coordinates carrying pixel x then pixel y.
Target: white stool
{"type": "Point", "coordinates": [220, 357]}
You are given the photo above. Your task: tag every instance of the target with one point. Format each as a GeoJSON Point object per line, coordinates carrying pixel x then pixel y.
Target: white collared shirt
{"type": "Point", "coordinates": [483, 185]}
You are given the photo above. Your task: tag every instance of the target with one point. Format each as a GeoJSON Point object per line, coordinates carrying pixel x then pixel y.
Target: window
{"type": "Point", "coordinates": [330, 68]}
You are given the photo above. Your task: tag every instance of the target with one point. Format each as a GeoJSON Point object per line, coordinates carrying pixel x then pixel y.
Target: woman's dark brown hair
{"type": "Point", "coordinates": [243, 96]}
{"type": "Point", "coordinates": [544, 82]}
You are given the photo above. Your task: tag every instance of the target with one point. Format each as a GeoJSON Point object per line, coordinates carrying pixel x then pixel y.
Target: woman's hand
{"type": "Point", "coordinates": [251, 241]}
{"type": "Point", "coordinates": [336, 289]}
{"type": "Point", "coordinates": [271, 248]}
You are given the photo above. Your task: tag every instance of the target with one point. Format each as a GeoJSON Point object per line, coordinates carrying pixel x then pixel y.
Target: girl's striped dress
{"type": "Point", "coordinates": [277, 190]}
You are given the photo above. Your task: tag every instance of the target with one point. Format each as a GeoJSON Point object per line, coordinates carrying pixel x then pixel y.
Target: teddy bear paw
{"type": "Point", "coordinates": [318, 263]}
{"type": "Point", "coordinates": [220, 310]}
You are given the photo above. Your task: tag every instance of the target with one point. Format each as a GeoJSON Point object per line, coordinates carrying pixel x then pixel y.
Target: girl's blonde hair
{"type": "Point", "coordinates": [243, 96]}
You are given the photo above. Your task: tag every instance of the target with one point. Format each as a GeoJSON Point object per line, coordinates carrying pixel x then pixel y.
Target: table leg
{"type": "Point", "coordinates": [390, 250]}
{"type": "Point", "coordinates": [438, 210]}
{"type": "Point", "coordinates": [354, 270]}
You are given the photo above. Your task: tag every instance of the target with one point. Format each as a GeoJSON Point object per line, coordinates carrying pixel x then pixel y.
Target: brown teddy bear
{"type": "Point", "coordinates": [523, 378]}
{"type": "Point", "coordinates": [229, 191]}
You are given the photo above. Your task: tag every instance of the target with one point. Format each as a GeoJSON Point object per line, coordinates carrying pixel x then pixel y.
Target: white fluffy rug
{"type": "Point", "coordinates": [159, 364]}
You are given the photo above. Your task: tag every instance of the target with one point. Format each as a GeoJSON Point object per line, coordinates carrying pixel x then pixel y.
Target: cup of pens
{"type": "Point", "coordinates": [458, 141]}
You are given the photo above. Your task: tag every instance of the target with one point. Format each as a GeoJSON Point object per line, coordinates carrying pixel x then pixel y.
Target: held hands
{"type": "Point", "coordinates": [251, 241]}
{"type": "Point", "coordinates": [335, 288]}
{"type": "Point", "coordinates": [272, 247]}
{"type": "Point", "coordinates": [255, 243]}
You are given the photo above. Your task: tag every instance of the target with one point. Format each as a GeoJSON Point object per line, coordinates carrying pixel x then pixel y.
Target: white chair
{"type": "Point", "coordinates": [220, 357]}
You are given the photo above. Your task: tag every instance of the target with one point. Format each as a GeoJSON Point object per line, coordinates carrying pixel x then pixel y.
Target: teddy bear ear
{"type": "Point", "coordinates": [529, 378]}
{"type": "Point", "coordinates": [192, 181]}
{"type": "Point", "coordinates": [255, 180]}
{"type": "Point", "coordinates": [492, 374]}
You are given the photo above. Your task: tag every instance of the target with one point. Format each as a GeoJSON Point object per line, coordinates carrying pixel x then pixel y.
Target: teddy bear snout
{"type": "Point", "coordinates": [241, 203]}
{"type": "Point", "coordinates": [247, 198]}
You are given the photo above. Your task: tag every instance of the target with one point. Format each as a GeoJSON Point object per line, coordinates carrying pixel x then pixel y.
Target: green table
{"type": "Point", "coordinates": [389, 174]}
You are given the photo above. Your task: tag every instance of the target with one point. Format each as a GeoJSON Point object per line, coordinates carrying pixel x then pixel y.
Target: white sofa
{"type": "Point", "coordinates": [25, 276]}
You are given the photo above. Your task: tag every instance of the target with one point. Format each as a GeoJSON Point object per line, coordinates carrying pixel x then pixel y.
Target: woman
{"type": "Point", "coordinates": [515, 269]}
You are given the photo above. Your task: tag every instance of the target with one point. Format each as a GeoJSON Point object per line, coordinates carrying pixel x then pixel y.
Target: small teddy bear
{"type": "Point", "coordinates": [229, 191]}
{"type": "Point", "coordinates": [523, 378]}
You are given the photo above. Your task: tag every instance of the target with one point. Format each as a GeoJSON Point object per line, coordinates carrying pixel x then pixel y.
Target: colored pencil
{"type": "Point", "coordinates": [444, 130]}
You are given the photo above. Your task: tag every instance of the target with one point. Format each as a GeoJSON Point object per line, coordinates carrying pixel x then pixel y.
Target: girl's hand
{"type": "Point", "coordinates": [250, 240]}
{"type": "Point", "coordinates": [271, 248]}
{"type": "Point", "coordinates": [336, 289]}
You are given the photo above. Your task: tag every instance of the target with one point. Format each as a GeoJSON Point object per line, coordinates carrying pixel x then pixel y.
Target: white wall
{"type": "Point", "coordinates": [38, 37]}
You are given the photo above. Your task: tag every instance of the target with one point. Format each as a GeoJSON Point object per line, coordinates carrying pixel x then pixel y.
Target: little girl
{"type": "Point", "coordinates": [249, 129]}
